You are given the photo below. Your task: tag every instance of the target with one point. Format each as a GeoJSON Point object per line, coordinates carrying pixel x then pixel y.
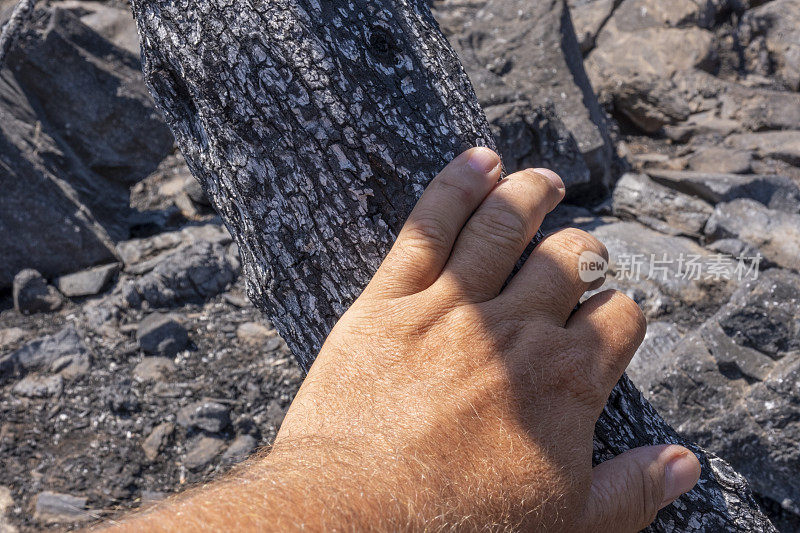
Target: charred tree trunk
{"type": "Point", "coordinates": [314, 125]}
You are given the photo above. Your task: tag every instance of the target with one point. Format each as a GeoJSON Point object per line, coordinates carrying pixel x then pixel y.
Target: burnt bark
{"type": "Point", "coordinates": [314, 126]}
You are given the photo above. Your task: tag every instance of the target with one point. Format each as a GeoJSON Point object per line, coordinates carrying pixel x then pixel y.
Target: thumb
{"type": "Point", "coordinates": [628, 490]}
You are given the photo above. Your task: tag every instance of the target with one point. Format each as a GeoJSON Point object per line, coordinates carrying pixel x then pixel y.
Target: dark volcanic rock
{"type": "Point", "coordinates": [157, 439]}
{"type": "Point", "coordinates": [659, 207]}
{"type": "Point", "coordinates": [190, 274]}
{"type": "Point", "coordinates": [775, 26]}
{"type": "Point", "coordinates": [639, 49]}
{"type": "Point", "coordinates": [240, 448]}
{"type": "Point", "coordinates": [77, 128]}
{"type": "Point", "coordinates": [732, 385]}
{"type": "Point", "coordinates": [775, 234]}
{"type": "Point", "coordinates": [87, 282]}
{"type": "Point", "coordinates": [162, 334]}
{"type": "Point", "coordinates": [63, 351]}
{"type": "Point", "coordinates": [202, 451]}
{"type": "Point", "coordinates": [39, 386]}
{"type": "Point", "coordinates": [776, 192]}
{"type": "Point", "coordinates": [209, 416]}
{"type": "Point", "coordinates": [55, 507]}
{"type": "Point", "coordinates": [153, 369]}
{"type": "Point", "coordinates": [507, 47]}
{"type": "Point", "coordinates": [32, 293]}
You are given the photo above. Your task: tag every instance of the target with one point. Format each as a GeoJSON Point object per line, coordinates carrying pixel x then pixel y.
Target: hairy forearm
{"type": "Point", "coordinates": [322, 485]}
{"type": "Point", "coordinates": [312, 485]}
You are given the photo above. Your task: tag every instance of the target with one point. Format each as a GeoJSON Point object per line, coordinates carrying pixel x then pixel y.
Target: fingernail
{"type": "Point", "coordinates": [681, 474]}
{"type": "Point", "coordinates": [552, 176]}
{"type": "Point", "coordinates": [483, 160]}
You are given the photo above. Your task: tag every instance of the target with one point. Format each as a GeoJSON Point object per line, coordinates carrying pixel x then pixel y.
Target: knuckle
{"type": "Point", "coordinates": [459, 190]}
{"type": "Point", "coordinates": [575, 241]}
{"type": "Point", "coordinates": [541, 182]}
{"type": "Point", "coordinates": [574, 377]}
{"type": "Point", "coordinates": [426, 232]}
{"type": "Point", "coordinates": [630, 314]}
{"type": "Point", "coordinates": [502, 226]}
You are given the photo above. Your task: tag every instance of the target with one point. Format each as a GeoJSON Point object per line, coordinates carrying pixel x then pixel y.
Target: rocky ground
{"type": "Point", "coordinates": [132, 364]}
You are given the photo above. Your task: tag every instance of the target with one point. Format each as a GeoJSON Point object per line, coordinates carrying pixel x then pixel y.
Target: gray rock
{"type": "Point", "coordinates": [506, 46]}
{"type": "Point", "coordinates": [638, 51]}
{"type": "Point", "coordinates": [55, 507]}
{"type": "Point", "coordinates": [11, 336]}
{"type": "Point", "coordinates": [32, 293]}
{"type": "Point", "coordinates": [654, 353]}
{"type": "Point", "coordinates": [240, 449]}
{"type": "Point", "coordinates": [72, 365]}
{"type": "Point", "coordinates": [720, 107]}
{"type": "Point", "coordinates": [780, 145]}
{"type": "Point", "coordinates": [57, 351]}
{"type": "Point", "coordinates": [150, 497]}
{"type": "Point", "coordinates": [254, 333]}
{"type": "Point", "coordinates": [38, 386]}
{"type": "Point", "coordinates": [659, 207]}
{"type": "Point", "coordinates": [202, 451]}
{"type": "Point", "coordinates": [87, 282]}
{"type": "Point", "coordinates": [114, 23]}
{"type": "Point", "coordinates": [664, 274]}
{"type": "Point", "coordinates": [721, 161]}
{"type": "Point", "coordinates": [208, 416]}
{"type": "Point", "coordinates": [567, 215]}
{"type": "Point", "coordinates": [77, 128]}
{"type": "Point", "coordinates": [195, 191]}
{"type": "Point", "coordinates": [6, 501]}
{"type": "Point", "coordinates": [731, 385]}
{"type": "Point", "coordinates": [588, 17]}
{"type": "Point", "coordinates": [190, 274]}
{"type": "Point", "coordinates": [778, 24]}
{"type": "Point", "coordinates": [151, 250]}
{"type": "Point", "coordinates": [157, 439]}
{"type": "Point", "coordinates": [776, 192]}
{"type": "Point", "coordinates": [153, 369]}
{"type": "Point", "coordinates": [775, 234]}
{"type": "Point", "coordinates": [162, 334]}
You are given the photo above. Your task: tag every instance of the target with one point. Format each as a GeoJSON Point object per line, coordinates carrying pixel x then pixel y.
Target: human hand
{"type": "Point", "coordinates": [474, 404]}
{"type": "Point", "coordinates": [445, 400]}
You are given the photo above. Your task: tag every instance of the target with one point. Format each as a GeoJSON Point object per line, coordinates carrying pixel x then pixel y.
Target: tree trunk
{"type": "Point", "coordinates": [314, 126]}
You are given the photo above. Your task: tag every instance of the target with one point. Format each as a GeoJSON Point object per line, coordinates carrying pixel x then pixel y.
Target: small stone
{"type": "Point", "coordinates": [162, 334]}
{"type": "Point", "coordinates": [202, 452]}
{"type": "Point", "coordinates": [11, 336]}
{"type": "Point", "coordinates": [254, 333]}
{"type": "Point", "coordinates": [64, 350]}
{"type": "Point", "coordinates": [153, 369]}
{"type": "Point", "coordinates": [87, 282]}
{"type": "Point", "coordinates": [6, 501]}
{"type": "Point", "coordinates": [32, 294]}
{"type": "Point", "coordinates": [55, 507]}
{"type": "Point", "coordinates": [37, 386]}
{"type": "Point", "coordinates": [192, 273]}
{"type": "Point", "coordinates": [195, 192]}
{"type": "Point", "coordinates": [240, 449]}
{"type": "Point", "coordinates": [153, 496]}
{"type": "Point", "coordinates": [72, 366]}
{"type": "Point", "coordinates": [721, 160]}
{"type": "Point", "coordinates": [209, 416]}
{"type": "Point", "coordinates": [157, 439]}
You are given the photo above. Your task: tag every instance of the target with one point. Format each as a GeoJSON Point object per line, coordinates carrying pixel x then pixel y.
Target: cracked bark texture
{"type": "Point", "coordinates": [314, 126]}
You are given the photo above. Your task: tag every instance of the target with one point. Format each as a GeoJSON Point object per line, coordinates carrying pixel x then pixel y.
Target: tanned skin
{"type": "Point", "coordinates": [446, 400]}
